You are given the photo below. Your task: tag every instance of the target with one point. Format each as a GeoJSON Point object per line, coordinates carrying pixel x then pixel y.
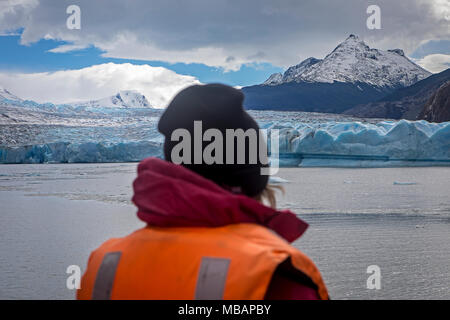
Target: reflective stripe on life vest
{"type": "Point", "coordinates": [105, 276]}
{"type": "Point", "coordinates": [211, 278]}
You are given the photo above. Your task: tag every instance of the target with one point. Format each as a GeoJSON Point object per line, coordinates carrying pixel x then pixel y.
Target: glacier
{"type": "Point", "coordinates": [123, 128]}
{"type": "Point", "coordinates": [301, 143]}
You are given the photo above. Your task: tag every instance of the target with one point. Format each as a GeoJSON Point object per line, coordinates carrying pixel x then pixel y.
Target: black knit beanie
{"type": "Point", "coordinates": [219, 107]}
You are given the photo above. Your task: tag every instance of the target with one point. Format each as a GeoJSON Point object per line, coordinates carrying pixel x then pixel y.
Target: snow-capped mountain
{"type": "Point", "coordinates": [353, 61]}
{"type": "Point", "coordinates": [123, 99]}
{"type": "Point", "coordinates": [121, 107]}
{"type": "Point", "coordinates": [352, 74]}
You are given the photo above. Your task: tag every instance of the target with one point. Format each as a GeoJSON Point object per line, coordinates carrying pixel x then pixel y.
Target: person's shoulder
{"type": "Point", "coordinates": [113, 244]}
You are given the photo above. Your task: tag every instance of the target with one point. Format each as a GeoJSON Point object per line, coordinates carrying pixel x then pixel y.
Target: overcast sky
{"type": "Point", "coordinates": [225, 36]}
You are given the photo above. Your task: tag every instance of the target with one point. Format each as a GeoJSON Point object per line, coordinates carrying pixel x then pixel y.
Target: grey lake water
{"type": "Point", "coordinates": [54, 215]}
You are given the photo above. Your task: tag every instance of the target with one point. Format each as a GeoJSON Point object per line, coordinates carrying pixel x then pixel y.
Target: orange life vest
{"type": "Point", "coordinates": [236, 261]}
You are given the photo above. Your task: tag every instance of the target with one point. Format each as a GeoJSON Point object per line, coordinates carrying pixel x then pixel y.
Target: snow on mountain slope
{"type": "Point", "coordinates": [404, 103]}
{"type": "Point", "coordinates": [5, 94]}
{"type": "Point", "coordinates": [353, 61]}
{"type": "Point", "coordinates": [275, 78]}
{"type": "Point", "coordinates": [123, 99]}
{"type": "Point", "coordinates": [292, 73]}
{"type": "Point", "coordinates": [14, 109]}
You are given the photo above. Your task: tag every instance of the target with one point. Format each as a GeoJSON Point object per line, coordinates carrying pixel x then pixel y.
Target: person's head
{"type": "Point", "coordinates": [199, 108]}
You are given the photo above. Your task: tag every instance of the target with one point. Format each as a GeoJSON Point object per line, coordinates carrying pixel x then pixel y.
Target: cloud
{"type": "Point", "coordinates": [434, 62]}
{"type": "Point", "coordinates": [432, 47]}
{"type": "Point", "coordinates": [127, 46]}
{"type": "Point", "coordinates": [67, 48]}
{"type": "Point", "coordinates": [227, 33]}
{"type": "Point", "coordinates": [158, 84]}
{"type": "Point", "coordinates": [13, 14]}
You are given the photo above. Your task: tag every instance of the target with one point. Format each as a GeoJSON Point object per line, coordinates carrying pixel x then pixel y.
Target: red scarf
{"type": "Point", "coordinates": [170, 195]}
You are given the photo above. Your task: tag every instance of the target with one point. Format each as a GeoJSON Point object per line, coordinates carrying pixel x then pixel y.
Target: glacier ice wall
{"type": "Point", "coordinates": [65, 152]}
{"type": "Point", "coordinates": [384, 143]}
{"type": "Point", "coordinates": [303, 142]}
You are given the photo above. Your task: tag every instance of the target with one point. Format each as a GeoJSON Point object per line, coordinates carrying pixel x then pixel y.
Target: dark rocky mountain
{"type": "Point", "coordinates": [352, 74]}
{"type": "Point", "coordinates": [404, 103]}
{"type": "Point", "coordinates": [437, 108]}
{"type": "Point", "coordinates": [311, 97]}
